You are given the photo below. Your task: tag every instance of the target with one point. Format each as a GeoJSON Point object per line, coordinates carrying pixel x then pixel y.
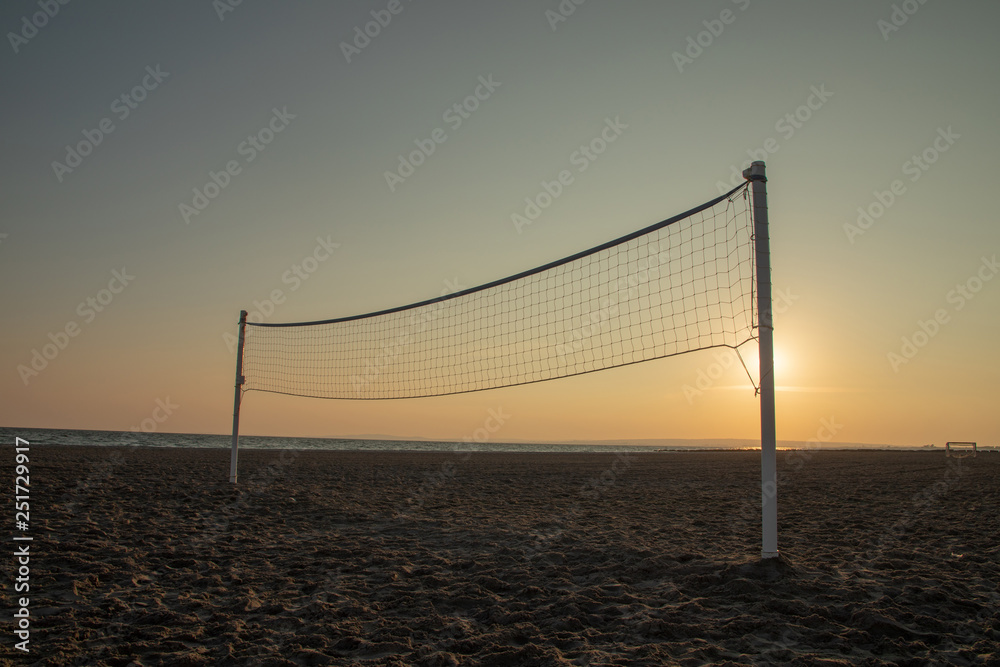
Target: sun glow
{"type": "Point", "coordinates": [782, 362]}
{"type": "Point", "coordinates": [784, 365]}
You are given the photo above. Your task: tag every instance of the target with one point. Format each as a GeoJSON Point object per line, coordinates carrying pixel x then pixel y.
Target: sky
{"type": "Point", "coordinates": [121, 278]}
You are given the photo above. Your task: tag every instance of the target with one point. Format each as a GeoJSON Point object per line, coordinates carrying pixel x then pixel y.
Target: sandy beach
{"type": "Point", "coordinates": [150, 557]}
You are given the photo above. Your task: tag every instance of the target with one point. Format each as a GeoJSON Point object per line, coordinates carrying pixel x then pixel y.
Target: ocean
{"type": "Point", "coordinates": [45, 436]}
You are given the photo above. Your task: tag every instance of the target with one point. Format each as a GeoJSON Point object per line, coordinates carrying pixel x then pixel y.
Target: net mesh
{"type": "Point", "coordinates": [681, 285]}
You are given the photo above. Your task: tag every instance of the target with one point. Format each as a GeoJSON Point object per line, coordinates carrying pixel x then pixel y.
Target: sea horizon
{"type": "Point", "coordinates": [383, 442]}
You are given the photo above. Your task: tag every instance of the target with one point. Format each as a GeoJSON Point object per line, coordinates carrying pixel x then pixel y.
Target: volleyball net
{"type": "Point", "coordinates": [680, 285]}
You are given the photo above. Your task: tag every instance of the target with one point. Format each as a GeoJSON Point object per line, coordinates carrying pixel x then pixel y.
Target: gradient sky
{"type": "Point", "coordinates": [845, 299]}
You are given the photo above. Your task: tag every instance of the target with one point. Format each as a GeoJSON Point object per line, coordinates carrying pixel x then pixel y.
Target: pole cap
{"type": "Point", "coordinates": [755, 172]}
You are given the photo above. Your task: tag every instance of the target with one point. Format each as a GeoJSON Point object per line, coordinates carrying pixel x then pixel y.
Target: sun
{"type": "Point", "coordinates": [783, 364]}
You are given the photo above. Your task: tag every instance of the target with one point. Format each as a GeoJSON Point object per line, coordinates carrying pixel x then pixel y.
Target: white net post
{"type": "Point", "coordinates": [765, 337]}
{"type": "Point", "coordinates": [236, 399]}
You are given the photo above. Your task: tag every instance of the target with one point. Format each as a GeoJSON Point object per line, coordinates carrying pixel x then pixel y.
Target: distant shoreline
{"type": "Point", "coordinates": [87, 437]}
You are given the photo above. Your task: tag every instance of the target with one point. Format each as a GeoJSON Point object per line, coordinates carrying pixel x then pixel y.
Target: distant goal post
{"type": "Point", "coordinates": [959, 450]}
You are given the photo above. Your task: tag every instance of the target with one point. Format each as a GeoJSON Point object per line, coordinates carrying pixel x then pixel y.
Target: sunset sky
{"type": "Point", "coordinates": [877, 120]}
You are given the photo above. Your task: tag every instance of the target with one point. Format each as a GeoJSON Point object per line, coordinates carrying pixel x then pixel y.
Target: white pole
{"type": "Point", "coordinates": [765, 338]}
{"type": "Point", "coordinates": [236, 399]}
